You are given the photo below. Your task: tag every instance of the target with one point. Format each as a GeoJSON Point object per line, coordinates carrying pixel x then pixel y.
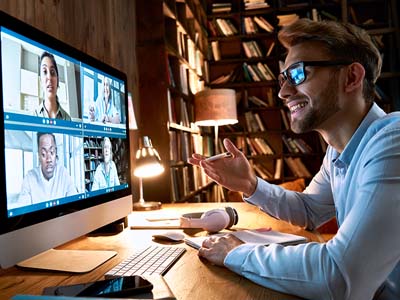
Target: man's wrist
{"type": "Point", "coordinates": [251, 188]}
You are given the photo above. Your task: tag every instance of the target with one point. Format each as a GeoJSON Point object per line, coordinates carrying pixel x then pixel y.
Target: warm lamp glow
{"type": "Point", "coordinates": [150, 170]}
{"type": "Point", "coordinates": [148, 164]}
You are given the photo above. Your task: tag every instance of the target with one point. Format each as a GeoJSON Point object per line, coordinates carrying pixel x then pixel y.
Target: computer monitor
{"type": "Point", "coordinates": [64, 146]}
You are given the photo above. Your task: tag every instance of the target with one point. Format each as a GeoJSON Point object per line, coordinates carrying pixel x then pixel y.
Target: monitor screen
{"type": "Point", "coordinates": [65, 133]}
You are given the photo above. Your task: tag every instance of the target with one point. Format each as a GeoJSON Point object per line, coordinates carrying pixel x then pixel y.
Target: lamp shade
{"type": "Point", "coordinates": [215, 107]}
{"type": "Point", "coordinates": [148, 162]}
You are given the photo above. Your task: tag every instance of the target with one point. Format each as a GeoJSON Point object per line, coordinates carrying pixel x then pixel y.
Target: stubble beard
{"type": "Point", "coordinates": [325, 105]}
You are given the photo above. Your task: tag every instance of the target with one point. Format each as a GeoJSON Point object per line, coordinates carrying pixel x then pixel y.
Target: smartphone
{"type": "Point", "coordinates": [115, 287]}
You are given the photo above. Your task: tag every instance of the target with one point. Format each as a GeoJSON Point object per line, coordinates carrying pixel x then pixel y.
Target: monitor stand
{"type": "Point", "coordinates": [74, 261]}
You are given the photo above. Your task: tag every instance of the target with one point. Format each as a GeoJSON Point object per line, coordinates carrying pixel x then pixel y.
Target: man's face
{"type": "Point", "coordinates": [107, 151]}
{"type": "Point", "coordinates": [315, 101]}
{"type": "Point", "coordinates": [47, 155]}
{"type": "Point", "coordinates": [106, 89]}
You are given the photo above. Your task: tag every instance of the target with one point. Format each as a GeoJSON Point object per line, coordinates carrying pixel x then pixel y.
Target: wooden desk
{"type": "Point", "coordinates": [189, 278]}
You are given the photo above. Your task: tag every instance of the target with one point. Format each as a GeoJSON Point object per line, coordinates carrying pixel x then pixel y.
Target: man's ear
{"type": "Point", "coordinates": [354, 77]}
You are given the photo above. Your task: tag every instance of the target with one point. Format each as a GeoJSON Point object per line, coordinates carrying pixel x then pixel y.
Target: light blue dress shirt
{"type": "Point", "coordinates": [361, 186]}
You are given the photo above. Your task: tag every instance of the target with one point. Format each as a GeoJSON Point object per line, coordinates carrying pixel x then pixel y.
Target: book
{"type": "Point", "coordinates": [271, 47]}
{"type": "Point", "coordinates": [215, 50]}
{"type": "Point", "coordinates": [264, 24]}
{"type": "Point", "coordinates": [257, 101]}
{"type": "Point", "coordinates": [260, 236]}
{"type": "Point", "coordinates": [278, 168]}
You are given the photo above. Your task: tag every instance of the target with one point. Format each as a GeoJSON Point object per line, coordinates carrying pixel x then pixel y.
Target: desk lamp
{"type": "Point", "coordinates": [148, 164]}
{"type": "Point", "coordinates": [215, 107]}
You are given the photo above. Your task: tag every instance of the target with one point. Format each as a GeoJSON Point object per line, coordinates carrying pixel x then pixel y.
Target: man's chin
{"type": "Point", "coordinates": [49, 175]}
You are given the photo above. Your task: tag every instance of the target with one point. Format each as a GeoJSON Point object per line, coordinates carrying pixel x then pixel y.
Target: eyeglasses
{"type": "Point", "coordinates": [295, 73]}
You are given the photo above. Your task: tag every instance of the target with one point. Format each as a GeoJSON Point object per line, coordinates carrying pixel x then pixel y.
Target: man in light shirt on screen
{"type": "Point", "coordinates": [49, 180]}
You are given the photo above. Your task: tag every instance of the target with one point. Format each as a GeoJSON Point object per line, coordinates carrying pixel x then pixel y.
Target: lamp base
{"type": "Point", "coordinates": [146, 205]}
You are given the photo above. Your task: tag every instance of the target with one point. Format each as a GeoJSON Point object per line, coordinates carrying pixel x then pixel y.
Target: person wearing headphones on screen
{"type": "Point", "coordinates": [50, 180]}
{"type": "Point", "coordinates": [106, 174]}
{"type": "Point", "coordinates": [49, 79]}
{"type": "Point", "coordinates": [327, 82]}
{"type": "Point", "coordinates": [104, 109]}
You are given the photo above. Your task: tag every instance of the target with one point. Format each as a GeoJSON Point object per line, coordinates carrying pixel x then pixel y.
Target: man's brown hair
{"type": "Point", "coordinates": [342, 41]}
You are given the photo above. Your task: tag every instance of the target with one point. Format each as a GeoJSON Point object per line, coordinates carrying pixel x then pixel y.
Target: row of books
{"type": "Point", "coordinates": [257, 72]}
{"type": "Point", "coordinates": [285, 20]}
{"type": "Point", "coordinates": [180, 146]}
{"type": "Point", "coordinates": [255, 4]}
{"type": "Point", "coordinates": [255, 24]}
{"type": "Point", "coordinates": [251, 146]}
{"type": "Point", "coordinates": [252, 49]}
{"type": "Point", "coordinates": [232, 76]}
{"type": "Point", "coordinates": [296, 145]}
{"type": "Point", "coordinates": [254, 122]}
{"type": "Point", "coordinates": [222, 27]}
{"type": "Point", "coordinates": [185, 180]}
{"type": "Point", "coordinates": [250, 25]}
{"type": "Point", "coordinates": [221, 7]}
{"type": "Point", "coordinates": [268, 101]}
{"type": "Point", "coordinates": [295, 165]}
{"type": "Point", "coordinates": [178, 112]}
{"type": "Point", "coordinates": [226, 7]}
{"type": "Point", "coordinates": [186, 79]}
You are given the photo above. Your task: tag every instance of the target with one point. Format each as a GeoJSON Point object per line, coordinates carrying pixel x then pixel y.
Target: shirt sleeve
{"type": "Point", "coordinates": [362, 255]}
{"type": "Point", "coordinates": [25, 197]}
{"type": "Point", "coordinates": [115, 174]}
{"type": "Point", "coordinates": [309, 209]}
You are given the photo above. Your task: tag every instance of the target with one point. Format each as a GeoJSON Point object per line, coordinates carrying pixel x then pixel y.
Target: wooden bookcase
{"type": "Point", "coordinates": [231, 66]}
{"type": "Point", "coordinates": [172, 49]}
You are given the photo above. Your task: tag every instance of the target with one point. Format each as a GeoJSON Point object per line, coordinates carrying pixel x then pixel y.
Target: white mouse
{"type": "Point", "coordinates": [174, 236]}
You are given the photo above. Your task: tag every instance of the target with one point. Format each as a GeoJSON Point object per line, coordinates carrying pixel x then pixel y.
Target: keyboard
{"type": "Point", "coordinates": [154, 260]}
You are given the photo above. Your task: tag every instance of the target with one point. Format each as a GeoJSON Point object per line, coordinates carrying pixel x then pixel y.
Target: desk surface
{"type": "Point", "coordinates": [189, 278]}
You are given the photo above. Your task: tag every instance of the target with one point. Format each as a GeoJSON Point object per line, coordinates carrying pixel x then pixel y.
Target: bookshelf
{"type": "Point", "coordinates": [93, 156]}
{"type": "Point", "coordinates": [185, 45]}
{"type": "Point", "coordinates": [172, 48]}
{"type": "Point", "coordinates": [245, 55]}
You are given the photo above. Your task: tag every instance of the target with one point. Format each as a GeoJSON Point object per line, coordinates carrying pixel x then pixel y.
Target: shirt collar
{"type": "Point", "coordinates": [42, 110]}
{"type": "Point", "coordinates": [347, 155]}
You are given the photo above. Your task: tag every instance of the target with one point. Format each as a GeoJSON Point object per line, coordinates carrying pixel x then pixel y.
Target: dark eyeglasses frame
{"type": "Point", "coordinates": [283, 76]}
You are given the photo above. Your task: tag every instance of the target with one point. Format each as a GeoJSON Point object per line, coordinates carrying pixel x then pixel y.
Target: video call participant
{"type": "Point", "coordinates": [327, 83]}
{"type": "Point", "coordinates": [49, 79]}
{"type": "Point", "coordinates": [104, 109]}
{"type": "Point", "coordinates": [49, 180]}
{"type": "Point", "coordinates": [106, 172]}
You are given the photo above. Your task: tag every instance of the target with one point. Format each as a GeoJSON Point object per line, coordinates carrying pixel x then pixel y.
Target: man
{"type": "Point", "coordinates": [49, 180]}
{"type": "Point", "coordinates": [327, 84]}
{"type": "Point", "coordinates": [106, 174]}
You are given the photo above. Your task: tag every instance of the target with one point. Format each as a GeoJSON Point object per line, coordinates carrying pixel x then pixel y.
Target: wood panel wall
{"type": "Point", "coordinates": [104, 29]}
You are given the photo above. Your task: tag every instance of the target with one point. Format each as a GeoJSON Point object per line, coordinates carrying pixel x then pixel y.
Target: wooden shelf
{"type": "Point", "coordinates": [172, 67]}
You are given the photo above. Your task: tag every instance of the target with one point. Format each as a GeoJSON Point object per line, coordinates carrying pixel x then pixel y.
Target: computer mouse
{"type": "Point", "coordinates": [174, 236]}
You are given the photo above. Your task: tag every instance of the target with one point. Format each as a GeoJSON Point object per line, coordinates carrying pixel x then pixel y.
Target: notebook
{"type": "Point", "coordinates": [255, 236]}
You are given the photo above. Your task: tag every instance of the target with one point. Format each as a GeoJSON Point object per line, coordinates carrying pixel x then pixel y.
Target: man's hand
{"type": "Point", "coordinates": [215, 249]}
{"type": "Point", "coordinates": [235, 173]}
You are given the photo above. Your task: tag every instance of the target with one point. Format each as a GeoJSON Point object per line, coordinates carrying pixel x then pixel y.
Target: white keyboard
{"type": "Point", "coordinates": [150, 261]}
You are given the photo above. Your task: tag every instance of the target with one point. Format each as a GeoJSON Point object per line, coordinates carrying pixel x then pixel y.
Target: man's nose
{"type": "Point", "coordinates": [286, 91]}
